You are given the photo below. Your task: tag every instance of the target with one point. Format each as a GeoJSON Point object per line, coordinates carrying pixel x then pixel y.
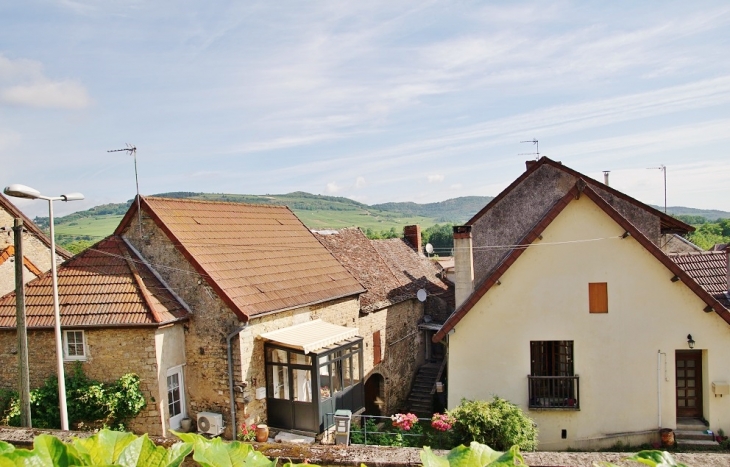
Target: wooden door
{"type": "Point", "coordinates": [689, 383]}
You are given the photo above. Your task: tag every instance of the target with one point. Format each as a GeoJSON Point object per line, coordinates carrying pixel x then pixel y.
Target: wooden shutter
{"type": "Point", "coordinates": [377, 351]}
{"type": "Point", "coordinates": [598, 297]}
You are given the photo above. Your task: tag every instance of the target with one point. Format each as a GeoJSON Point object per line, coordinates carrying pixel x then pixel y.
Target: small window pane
{"type": "Point", "coordinates": [173, 395]}
{"type": "Point", "coordinates": [690, 402]}
{"type": "Point", "coordinates": [690, 363]}
{"type": "Point", "coordinates": [680, 392]}
{"type": "Point", "coordinates": [680, 373]}
{"type": "Point", "coordinates": [680, 403]}
{"type": "Point", "coordinates": [680, 363]}
{"type": "Point", "coordinates": [276, 356]}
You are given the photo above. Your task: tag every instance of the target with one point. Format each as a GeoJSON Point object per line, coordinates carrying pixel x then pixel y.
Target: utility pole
{"type": "Point", "coordinates": [23, 371]}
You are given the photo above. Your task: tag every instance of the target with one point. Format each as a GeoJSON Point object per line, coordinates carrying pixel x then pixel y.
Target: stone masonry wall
{"type": "Point", "coordinates": [33, 249]}
{"type": "Point", "coordinates": [111, 354]}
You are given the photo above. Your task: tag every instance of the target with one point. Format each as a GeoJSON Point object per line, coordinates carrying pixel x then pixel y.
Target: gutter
{"type": "Point", "coordinates": [231, 391]}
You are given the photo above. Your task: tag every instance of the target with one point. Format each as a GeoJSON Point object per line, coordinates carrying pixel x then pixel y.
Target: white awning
{"type": "Point", "coordinates": [310, 336]}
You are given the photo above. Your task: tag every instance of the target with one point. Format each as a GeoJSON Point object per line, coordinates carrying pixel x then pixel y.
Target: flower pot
{"type": "Point", "coordinates": [185, 425]}
{"type": "Point", "coordinates": [667, 436]}
{"type": "Point", "coordinates": [262, 433]}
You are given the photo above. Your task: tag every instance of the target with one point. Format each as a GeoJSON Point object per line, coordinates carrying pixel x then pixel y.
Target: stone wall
{"type": "Point", "coordinates": [33, 249]}
{"type": "Point", "coordinates": [111, 354]}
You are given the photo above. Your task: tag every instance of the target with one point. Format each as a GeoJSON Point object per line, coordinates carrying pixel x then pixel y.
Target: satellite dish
{"type": "Point", "coordinates": [429, 248]}
{"type": "Point", "coordinates": [421, 295]}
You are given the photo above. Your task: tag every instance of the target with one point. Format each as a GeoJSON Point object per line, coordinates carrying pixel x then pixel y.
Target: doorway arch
{"type": "Point", "coordinates": [375, 395]}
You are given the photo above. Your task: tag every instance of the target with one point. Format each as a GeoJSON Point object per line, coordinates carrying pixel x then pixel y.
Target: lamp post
{"type": "Point", "coordinates": [22, 191]}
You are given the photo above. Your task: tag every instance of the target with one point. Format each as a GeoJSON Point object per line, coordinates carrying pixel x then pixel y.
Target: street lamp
{"type": "Point", "coordinates": [22, 191]}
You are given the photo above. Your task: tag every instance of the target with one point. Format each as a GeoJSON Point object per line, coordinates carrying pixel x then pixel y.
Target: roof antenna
{"type": "Point", "coordinates": [132, 151]}
{"type": "Point", "coordinates": [663, 168]}
{"type": "Point", "coordinates": [537, 149]}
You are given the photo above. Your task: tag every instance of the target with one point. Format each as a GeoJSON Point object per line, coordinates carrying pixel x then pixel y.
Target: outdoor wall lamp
{"type": "Point", "coordinates": [690, 341]}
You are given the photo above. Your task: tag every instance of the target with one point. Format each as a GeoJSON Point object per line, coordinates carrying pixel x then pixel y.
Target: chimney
{"type": "Point", "coordinates": [605, 177]}
{"type": "Point", "coordinates": [412, 234]}
{"type": "Point", "coordinates": [463, 264]}
{"type": "Point", "coordinates": [529, 164]}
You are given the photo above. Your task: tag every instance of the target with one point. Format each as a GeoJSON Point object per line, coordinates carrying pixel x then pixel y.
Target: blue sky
{"type": "Point", "coordinates": [376, 101]}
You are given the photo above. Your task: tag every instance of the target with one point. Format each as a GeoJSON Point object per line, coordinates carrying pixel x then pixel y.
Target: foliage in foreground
{"type": "Point", "coordinates": [497, 423]}
{"type": "Point", "coordinates": [115, 448]}
{"type": "Point", "coordinates": [91, 404]}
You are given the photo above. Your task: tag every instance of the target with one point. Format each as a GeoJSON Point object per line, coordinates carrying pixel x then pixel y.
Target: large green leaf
{"type": "Point", "coordinates": [6, 448]}
{"type": "Point", "coordinates": [14, 457]}
{"type": "Point", "coordinates": [476, 455]}
{"type": "Point", "coordinates": [216, 453]}
{"type": "Point", "coordinates": [142, 452]}
{"type": "Point", "coordinates": [104, 447]}
{"type": "Point", "coordinates": [49, 451]}
{"type": "Point", "coordinates": [656, 458]}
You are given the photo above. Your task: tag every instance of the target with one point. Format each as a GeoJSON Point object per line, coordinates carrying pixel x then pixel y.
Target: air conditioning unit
{"type": "Point", "coordinates": [210, 423]}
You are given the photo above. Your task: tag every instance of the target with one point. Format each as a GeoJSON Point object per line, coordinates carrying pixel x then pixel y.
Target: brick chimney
{"type": "Point", "coordinates": [463, 263]}
{"type": "Point", "coordinates": [529, 164]}
{"type": "Point", "coordinates": [412, 234]}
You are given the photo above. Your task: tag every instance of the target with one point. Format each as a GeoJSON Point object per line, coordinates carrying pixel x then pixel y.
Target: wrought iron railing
{"type": "Point", "coordinates": [554, 392]}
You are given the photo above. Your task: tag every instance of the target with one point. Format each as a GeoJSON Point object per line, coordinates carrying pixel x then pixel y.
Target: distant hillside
{"type": "Point", "coordinates": [455, 210]}
{"type": "Point", "coordinates": [710, 214]}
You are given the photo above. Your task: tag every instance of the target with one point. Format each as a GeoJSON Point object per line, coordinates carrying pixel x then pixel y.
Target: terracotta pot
{"type": "Point", "coordinates": [262, 433]}
{"type": "Point", "coordinates": [667, 437]}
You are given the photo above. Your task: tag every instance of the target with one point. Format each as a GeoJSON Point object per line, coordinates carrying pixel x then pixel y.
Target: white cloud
{"type": "Point", "coordinates": [435, 178]}
{"type": "Point", "coordinates": [360, 182]}
{"type": "Point", "coordinates": [332, 188]}
{"type": "Point", "coordinates": [22, 82]}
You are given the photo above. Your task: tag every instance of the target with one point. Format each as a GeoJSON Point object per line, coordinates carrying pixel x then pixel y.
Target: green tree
{"type": "Point", "coordinates": [441, 237]}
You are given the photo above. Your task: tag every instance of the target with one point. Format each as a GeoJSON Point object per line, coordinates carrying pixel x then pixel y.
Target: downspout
{"type": "Point", "coordinates": [659, 385]}
{"type": "Point", "coordinates": [232, 393]}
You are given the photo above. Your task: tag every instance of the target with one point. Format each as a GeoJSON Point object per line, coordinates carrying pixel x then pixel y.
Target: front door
{"type": "Point", "coordinates": [689, 383]}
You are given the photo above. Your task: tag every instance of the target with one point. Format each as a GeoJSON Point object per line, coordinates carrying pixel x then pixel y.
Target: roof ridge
{"type": "Point", "coordinates": [210, 201]}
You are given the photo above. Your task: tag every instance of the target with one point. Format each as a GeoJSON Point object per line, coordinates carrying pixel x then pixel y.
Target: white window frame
{"type": "Point", "coordinates": [175, 420]}
{"type": "Point", "coordinates": [66, 354]}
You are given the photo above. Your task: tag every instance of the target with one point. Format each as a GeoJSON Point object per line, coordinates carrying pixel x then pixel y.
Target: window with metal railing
{"type": "Point", "coordinates": [552, 382]}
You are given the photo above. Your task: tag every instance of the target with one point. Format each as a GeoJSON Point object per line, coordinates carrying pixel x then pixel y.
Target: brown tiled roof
{"type": "Point", "coordinates": [413, 270]}
{"type": "Point", "coordinates": [580, 188]}
{"type": "Point", "coordinates": [709, 269]}
{"type": "Point", "coordinates": [30, 226]}
{"type": "Point", "coordinates": [668, 223]}
{"type": "Point", "coordinates": [258, 258]}
{"type": "Point", "coordinates": [8, 252]}
{"type": "Point", "coordinates": [390, 270]}
{"type": "Point", "coordinates": [104, 286]}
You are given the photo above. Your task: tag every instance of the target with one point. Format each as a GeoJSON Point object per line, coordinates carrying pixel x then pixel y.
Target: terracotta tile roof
{"type": "Point", "coordinates": [581, 187]}
{"type": "Point", "coordinates": [8, 252]}
{"type": "Point", "coordinates": [103, 286]}
{"type": "Point", "coordinates": [390, 270]}
{"type": "Point", "coordinates": [258, 258]}
{"type": "Point", "coordinates": [709, 269]}
{"type": "Point", "coordinates": [668, 223]}
{"type": "Point", "coordinates": [30, 226]}
{"type": "Point", "coordinates": [413, 270]}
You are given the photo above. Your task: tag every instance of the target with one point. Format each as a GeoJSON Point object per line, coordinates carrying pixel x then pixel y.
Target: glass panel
{"type": "Point", "coordinates": [691, 393]}
{"type": "Point", "coordinates": [347, 372]}
{"type": "Point", "coordinates": [356, 359]}
{"type": "Point", "coordinates": [324, 381]}
{"type": "Point", "coordinates": [691, 383]}
{"type": "Point", "coordinates": [680, 392]}
{"type": "Point", "coordinates": [690, 363]}
{"type": "Point", "coordinates": [680, 363]}
{"type": "Point", "coordinates": [690, 402]}
{"type": "Point", "coordinates": [680, 383]}
{"type": "Point", "coordinates": [173, 395]}
{"type": "Point", "coordinates": [75, 343]}
{"type": "Point", "coordinates": [680, 403]}
{"type": "Point", "coordinates": [336, 375]}
{"type": "Point", "coordinates": [690, 373]}
{"type": "Point", "coordinates": [299, 359]}
{"type": "Point", "coordinates": [276, 355]}
{"type": "Point", "coordinates": [680, 373]}
{"type": "Point", "coordinates": [277, 381]}
{"type": "Point", "coordinates": [302, 385]}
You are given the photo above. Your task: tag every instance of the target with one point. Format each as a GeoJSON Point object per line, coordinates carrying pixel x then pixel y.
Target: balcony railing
{"type": "Point", "coordinates": [554, 392]}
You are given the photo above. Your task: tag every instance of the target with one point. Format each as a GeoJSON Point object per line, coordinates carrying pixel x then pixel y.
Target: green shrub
{"type": "Point", "coordinates": [498, 423]}
{"type": "Point", "coordinates": [91, 404]}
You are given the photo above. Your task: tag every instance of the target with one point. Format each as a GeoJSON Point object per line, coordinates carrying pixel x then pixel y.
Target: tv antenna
{"type": "Point", "coordinates": [132, 151]}
{"type": "Point", "coordinates": [537, 148]}
{"type": "Point", "coordinates": [663, 168]}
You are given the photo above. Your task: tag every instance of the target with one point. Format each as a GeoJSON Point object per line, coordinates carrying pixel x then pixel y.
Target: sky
{"type": "Point", "coordinates": [377, 101]}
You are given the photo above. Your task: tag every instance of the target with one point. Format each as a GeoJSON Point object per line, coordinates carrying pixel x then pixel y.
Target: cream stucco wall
{"type": "Point", "coordinates": [170, 353]}
{"type": "Point", "coordinates": [544, 296]}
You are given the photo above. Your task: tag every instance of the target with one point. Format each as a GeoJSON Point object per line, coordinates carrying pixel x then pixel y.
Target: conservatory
{"type": "Point", "coordinates": [312, 369]}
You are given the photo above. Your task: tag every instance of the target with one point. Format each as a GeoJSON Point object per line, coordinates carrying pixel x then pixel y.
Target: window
{"type": "Point", "coordinates": [598, 297]}
{"type": "Point", "coordinates": [552, 381]}
{"type": "Point", "coordinates": [175, 396]}
{"type": "Point", "coordinates": [74, 345]}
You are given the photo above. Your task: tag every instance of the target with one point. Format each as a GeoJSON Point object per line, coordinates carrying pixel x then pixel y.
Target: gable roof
{"type": "Point", "coordinates": [9, 252]}
{"type": "Point", "coordinates": [258, 258]}
{"type": "Point", "coordinates": [580, 188]}
{"type": "Point", "coordinates": [30, 226]}
{"type": "Point", "coordinates": [390, 270]}
{"type": "Point", "coordinates": [709, 269]}
{"type": "Point", "coordinates": [668, 223]}
{"type": "Point", "coordinates": [104, 286]}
